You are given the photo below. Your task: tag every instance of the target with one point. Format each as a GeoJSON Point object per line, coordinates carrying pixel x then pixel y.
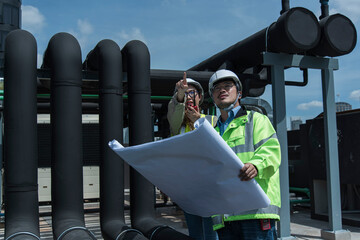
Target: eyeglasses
{"type": "Point", "coordinates": [191, 93]}
{"type": "Point", "coordinates": [226, 86]}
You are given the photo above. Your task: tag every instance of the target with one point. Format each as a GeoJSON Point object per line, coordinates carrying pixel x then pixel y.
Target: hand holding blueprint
{"type": "Point", "coordinates": [197, 170]}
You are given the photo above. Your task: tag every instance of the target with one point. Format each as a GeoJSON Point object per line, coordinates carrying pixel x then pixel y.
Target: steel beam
{"type": "Point", "coordinates": [277, 63]}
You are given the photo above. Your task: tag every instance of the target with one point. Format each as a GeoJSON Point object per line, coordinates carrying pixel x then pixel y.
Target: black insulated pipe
{"type": "Point", "coordinates": [20, 137]}
{"type": "Point", "coordinates": [295, 31]}
{"type": "Point", "coordinates": [285, 6]}
{"type": "Point", "coordinates": [338, 36]}
{"type": "Point", "coordinates": [107, 60]}
{"type": "Point", "coordinates": [324, 8]}
{"type": "Point", "coordinates": [63, 58]}
{"type": "Point", "coordinates": [300, 84]}
{"type": "Point", "coordinates": [136, 60]}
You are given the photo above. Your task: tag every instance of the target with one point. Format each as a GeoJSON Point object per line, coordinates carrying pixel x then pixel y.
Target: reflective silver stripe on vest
{"type": "Point", "coordinates": [249, 146]}
{"type": "Point", "coordinates": [272, 209]}
{"type": "Point", "coordinates": [264, 140]}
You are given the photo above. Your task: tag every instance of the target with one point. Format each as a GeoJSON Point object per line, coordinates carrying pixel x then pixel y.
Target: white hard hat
{"type": "Point", "coordinates": [198, 87]}
{"type": "Point", "coordinates": [222, 75]}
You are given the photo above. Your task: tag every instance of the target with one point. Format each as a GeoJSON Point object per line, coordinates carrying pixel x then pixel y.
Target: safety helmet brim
{"type": "Point", "coordinates": [198, 87]}
{"type": "Point", "coordinates": [222, 75]}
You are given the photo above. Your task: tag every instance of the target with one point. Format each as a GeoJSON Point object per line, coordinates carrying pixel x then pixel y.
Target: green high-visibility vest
{"type": "Point", "coordinates": [252, 137]}
{"type": "Point", "coordinates": [210, 118]}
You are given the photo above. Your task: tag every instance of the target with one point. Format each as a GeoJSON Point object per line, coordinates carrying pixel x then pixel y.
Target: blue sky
{"type": "Point", "coordinates": [182, 33]}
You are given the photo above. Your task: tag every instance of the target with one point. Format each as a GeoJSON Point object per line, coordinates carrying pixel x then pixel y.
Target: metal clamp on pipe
{"type": "Point", "coordinates": [119, 237]}
{"type": "Point", "coordinates": [22, 233]}
{"type": "Point", "coordinates": [76, 228]}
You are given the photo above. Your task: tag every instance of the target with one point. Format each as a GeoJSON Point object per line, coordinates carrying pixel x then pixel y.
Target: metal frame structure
{"type": "Point", "coordinates": [277, 63]}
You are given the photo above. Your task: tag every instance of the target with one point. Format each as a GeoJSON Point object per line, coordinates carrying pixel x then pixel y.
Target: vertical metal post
{"type": "Point", "coordinates": [1, 155]}
{"type": "Point", "coordinates": [279, 106]}
{"type": "Point", "coordinates": [277, 62]}
{"type": "Point", "coordinates": [331, 150]}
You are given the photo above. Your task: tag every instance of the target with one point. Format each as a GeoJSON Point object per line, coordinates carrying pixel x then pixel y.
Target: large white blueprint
{"type": "Point", "coordinates": [197, 170]}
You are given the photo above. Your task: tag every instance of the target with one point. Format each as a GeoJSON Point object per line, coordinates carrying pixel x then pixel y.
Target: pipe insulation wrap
{"type": "Point", "coordinates": [338, 36]}
{"type": "Point", "coordinates": [295, 31]}
{"type": "Point", "coordinates": [20, 137]}
{"type": "Point", "coordinates": [106, 58]}
{"type": "Point", "coordinates": [63, 57]}
{"type": "Point", "coordinates": [136, 58]}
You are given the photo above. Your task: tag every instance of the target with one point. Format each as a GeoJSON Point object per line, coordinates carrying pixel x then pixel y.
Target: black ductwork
{"type": "Point", "coordinates": [63, 57]}
{"type": "Point", "coordinates": [20, 137]}
{"type": "Point", "coordinates": [106, 58]}
{"type": "Point", "coordinates": [136, 60]}
{"type": "Point", "coordinates": [295, 31]}
{"type": "Point", "coordinates": [338, 36]}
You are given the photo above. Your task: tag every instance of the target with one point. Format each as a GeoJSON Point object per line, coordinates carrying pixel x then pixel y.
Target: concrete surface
{"type": "Point", "coordinates": [301, 226]}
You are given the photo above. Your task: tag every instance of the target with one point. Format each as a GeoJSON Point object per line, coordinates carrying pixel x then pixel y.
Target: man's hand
{"type": "Point", "coordinates": [192, 113]}
{"type": "Point", "coordinates": [248, 172]}
{"type": "Point", "coordinates": [181, 87]}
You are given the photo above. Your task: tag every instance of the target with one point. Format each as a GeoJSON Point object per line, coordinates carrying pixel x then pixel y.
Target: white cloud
{"type": "Point", "coordinates": [307, 106]}
{"type": "Point", "coordinates": [135, 34]}
{"type": "Point", "coordinates": [355, 95]}
{"type": "Point", "coordinates": [350, 8]}
{"type": "Point", "coordinates": [32, 19]}
{"type": "Point", "coordinates": [85, 27]}
{"type": "Point", "coordinates": [83, 34]}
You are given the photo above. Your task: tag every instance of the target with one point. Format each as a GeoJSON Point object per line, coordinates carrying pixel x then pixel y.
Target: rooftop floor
{"type": "Point", "coordinates": [301, 226]}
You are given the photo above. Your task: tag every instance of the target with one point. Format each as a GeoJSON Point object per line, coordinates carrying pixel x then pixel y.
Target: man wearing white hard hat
{"type": "Point", "coordinates": [252, 137]}
{"type": "Point", "coordinates": [183, 110]}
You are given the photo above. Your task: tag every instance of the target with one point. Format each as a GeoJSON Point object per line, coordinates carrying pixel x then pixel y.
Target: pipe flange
{"type": "Point", "coordinates": [22, 233]}
{"type": "Point", "coordinates": [128, 230]}
{"type": "Point", "coordinates": [76, 228]}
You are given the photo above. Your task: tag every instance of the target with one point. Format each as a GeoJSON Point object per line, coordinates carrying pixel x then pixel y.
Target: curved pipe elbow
{"type": "Point", "coordinates": [300, 84]}
{"type": "Point", "coordinates": [20, 129]}
{"type": "Point", "coordinates": [136, 54]}
{"type": "Point", "coordinates": [63, 56]}
{"type": "Point", "coordinates": [137, 64]}
{"type": "Point", "coordinates": [107, 59]}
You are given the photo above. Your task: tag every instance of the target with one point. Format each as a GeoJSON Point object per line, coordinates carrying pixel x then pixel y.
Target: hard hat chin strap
{"type": "Point", "coordinates": [231, 106]}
